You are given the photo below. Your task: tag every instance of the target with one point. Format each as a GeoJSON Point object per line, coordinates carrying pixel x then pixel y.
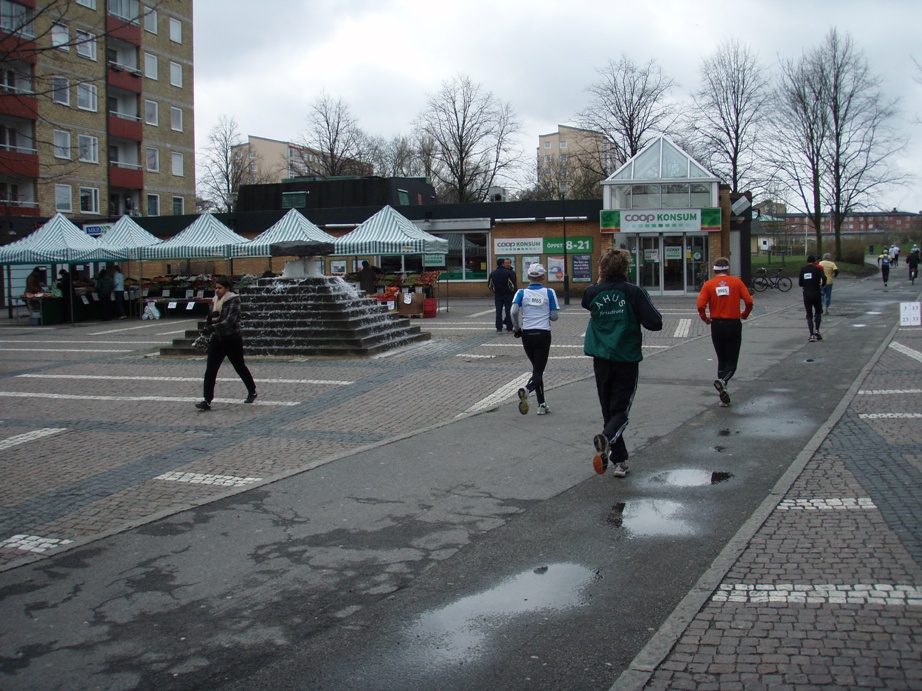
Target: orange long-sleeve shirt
{"type": "Point", "coordinates": [721, 297]}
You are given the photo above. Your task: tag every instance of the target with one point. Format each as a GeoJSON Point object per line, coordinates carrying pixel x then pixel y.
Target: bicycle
{"type": "Point", "coordinates": [763, 281]}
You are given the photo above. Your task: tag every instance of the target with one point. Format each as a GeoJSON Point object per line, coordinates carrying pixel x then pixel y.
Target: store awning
{"type": "Point", "coordinates": [389, 233]}
{"type": "Point", "coordinates": [292, 227]}
{"type": "Point", "coordinates": [128, 236]}
{"type": "Point", "coordinates": [58, 242]}
{"type": "Point", "coordinates": [205, 237]}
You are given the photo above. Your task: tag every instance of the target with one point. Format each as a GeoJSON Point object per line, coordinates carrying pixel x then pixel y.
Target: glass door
{"type": "Point", "coordinates": [697, 264]}
{"type": "Point", "coordinates": [673, 264]}
{"type": "Point", "coordinates": [648, 262]}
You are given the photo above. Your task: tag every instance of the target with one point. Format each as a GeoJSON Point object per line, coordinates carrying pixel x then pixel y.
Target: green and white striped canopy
{"type": "Point", "coordinates": [128, 236]}
{"type": "Point", "coordinates": [293, 226]}
{"type": "Point", "coordinates": [205, 237]}
{"type": "Point", "coordinates": [58, 242]}
{"type": "Point", "coordinates": [387, 232]}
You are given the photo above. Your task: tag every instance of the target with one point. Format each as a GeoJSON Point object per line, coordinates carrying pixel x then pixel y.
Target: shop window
{"type": "Point", "coordinates": [467, 256]}
{"type": "Point", "coordinates": [675, 196]}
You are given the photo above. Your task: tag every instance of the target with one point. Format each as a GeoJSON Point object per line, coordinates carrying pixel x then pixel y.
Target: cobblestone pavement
{"type": "Point", "coordinates": [99, 433]}
{"type": "Point", "coordinates": [823, 589]}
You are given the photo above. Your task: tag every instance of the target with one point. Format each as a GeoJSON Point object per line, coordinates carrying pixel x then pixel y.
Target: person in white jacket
{"type": "Point", "coordinates": [533, 309]}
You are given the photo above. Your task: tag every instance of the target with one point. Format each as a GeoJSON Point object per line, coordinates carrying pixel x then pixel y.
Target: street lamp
{"type": "Point", "coordinates": [566, 273]}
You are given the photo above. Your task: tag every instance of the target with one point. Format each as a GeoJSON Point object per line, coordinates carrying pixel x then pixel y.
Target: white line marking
{"type": "Point", "coordinates": [164, 399]}
{"type": "Point", "coordinates": [845, 503]}
{"type": "Point", "coordinates": [62, 350]}
{"type": "Point", "coordinates": [471, 355]}
{"type": "Point", "coordinates": [914, 354]}
{"type": "Point", "coordinates": [889, 416]}
{"type": "Point", "coordinates": [45, 342]}
{"type": "Point", "coordinates": [498, 396]}
{"type": "Point", "coordinates": [149, 325]}
{"type": "Point", "coordinates": [32, 543]}
{"type": "Point", "coordinates": [858, 594]}
{"type": "Point", "coordinates": [116, 378]}
{"type": "Point", "coordinates": [208, 479]}
{"type": "Point", "coordinates": [889, 392]}
{"type": "Point", "coordinates": [29, 436]}
{"type": "Point", "coordinates": [518, 344]}
{"type": "Point", "coordinates": [681, 329]}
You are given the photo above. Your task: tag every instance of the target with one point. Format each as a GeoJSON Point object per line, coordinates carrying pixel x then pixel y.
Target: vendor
{"type": "Point", "coordinates": [34, 281]}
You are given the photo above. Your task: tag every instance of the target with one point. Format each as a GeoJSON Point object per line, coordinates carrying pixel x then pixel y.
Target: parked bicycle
{"type": "Point", "coordinates": [763, 281]}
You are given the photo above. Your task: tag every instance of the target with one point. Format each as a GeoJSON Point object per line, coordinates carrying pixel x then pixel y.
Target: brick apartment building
{"type": "Point", "coordinates": [96, 110]}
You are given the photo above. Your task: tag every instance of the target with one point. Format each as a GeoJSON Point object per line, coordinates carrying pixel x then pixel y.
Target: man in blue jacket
{"type": "Point", "coordinates": [617, 310]}
{"type": "Point", "coordinates": [502, 283]}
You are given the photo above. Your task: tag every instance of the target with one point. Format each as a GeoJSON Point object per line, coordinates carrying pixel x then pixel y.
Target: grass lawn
{"type": "Point", "coordinates": [793, 264]}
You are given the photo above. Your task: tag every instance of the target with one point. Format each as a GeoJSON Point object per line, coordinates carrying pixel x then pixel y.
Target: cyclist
{"type": "Point", "coordinates": [812, 279]}
{"type": "Point", "coordinates": [912, 261]}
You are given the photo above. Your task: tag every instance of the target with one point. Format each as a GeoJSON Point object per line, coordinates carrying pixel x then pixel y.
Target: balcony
{"type": "Point", "coordinates": [18, 47]}
{"type": "Point", "coordinates": [127, 175]}
{"type": "Point", "coordinates": [18, 104]}
{"type": "Point", "coordinates": [125, 127]}
{"type": "Point", "coordinates": [125, 30]}
{"type": "Point", "coordinates": [124, 77]}
{"type": "Point", "coordinates": [10, 207]}
{"type": "Point", "coordinates": [18, 162]}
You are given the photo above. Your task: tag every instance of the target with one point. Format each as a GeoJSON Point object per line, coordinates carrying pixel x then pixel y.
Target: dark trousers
{"type": "Point", "coordinates": [885, 273]}
{"type": "Point", "coordinates": [120, 302]}
{"type": "Point", "coordinates": [230, 347]}
{"type": "Point", "coordinates": [105, 302]}
{"type": "Point", "coordinates": [813, 305]}
{"type": "Point", "coordinates": [616, 383]}
{"type": "Point", "coordinates": [503, 304]}
{"type": "Point", "coordinates": [537, 344]}
{"type": "Point", "coordinates": [727, 337]}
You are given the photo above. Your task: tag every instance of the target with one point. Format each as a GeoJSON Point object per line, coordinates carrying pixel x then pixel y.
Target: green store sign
{"type": "Point", "coordinates": [552, 245]}
{"type": "Point", "coordinates": [659, 220]}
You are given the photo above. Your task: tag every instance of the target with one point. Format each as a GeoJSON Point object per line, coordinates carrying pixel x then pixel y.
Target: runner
{"type": "Point", "coordinates": [533, 310]}
{"type": "Point", "coordinates": [812, 279]}
{"type": "Point", "coordinates": [883, 261]}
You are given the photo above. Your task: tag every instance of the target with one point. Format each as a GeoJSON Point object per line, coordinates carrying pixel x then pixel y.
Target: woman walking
{"type": "Point", "coordinates": [223, 325]}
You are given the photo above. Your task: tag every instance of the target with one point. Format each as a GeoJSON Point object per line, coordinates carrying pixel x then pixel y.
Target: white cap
{"type": "Point", "coordinates": [536, 270]}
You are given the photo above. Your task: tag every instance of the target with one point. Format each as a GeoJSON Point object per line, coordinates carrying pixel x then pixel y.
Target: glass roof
{"type": "Point", "coordinates": [661, 160]}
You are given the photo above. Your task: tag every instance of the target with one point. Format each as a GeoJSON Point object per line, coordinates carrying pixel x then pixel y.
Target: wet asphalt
{"type": "Point", "coordinates": [482, 552]}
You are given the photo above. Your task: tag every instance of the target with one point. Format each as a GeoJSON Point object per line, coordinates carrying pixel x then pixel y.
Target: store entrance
{"type": "Point", "coordinates": [648, 262]}
{"type": "Point", "coordinates": [672, 264]}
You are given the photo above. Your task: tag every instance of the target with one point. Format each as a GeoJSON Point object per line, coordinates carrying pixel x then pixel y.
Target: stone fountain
{"type": "Point", "coordinates": [304, 313]}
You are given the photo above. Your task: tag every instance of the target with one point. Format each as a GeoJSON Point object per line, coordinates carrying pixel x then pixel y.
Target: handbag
{"type": "Point", "coordinates": [201, 343]}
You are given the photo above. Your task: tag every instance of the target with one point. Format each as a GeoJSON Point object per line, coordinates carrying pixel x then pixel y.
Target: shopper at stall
{"type": "Point", "coordinates": [104, 287]}
{"type": "Point", "coordinates": [533, 310]}
{"type": "Point", "coordinates": [223, 325]}
{"type": "Point", "coordinates": [66, 285]}
{"type": "Point", "coordinates": [118, 286]}
{"type": "Point", "coordinates": [34, 281]}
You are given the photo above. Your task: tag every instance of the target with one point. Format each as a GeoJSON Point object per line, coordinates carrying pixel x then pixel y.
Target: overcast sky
{"type": "Point", "coordinates": [263, 63]}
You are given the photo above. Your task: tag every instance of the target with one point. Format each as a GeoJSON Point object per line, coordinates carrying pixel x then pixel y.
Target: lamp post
{"type": "Point", "coordinates": [566, 272]}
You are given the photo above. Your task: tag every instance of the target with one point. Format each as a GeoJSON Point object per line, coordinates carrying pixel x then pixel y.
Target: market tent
{"type": "Point", "coordinates": [292, 227]}
{"type": "Point", "coordinates": [127, 235]}
{"type": "Point", "coordinates": [58, 242]}
{"type": "Point", "coordinates": [205, 237]}
{"type": "Point", "coordinates": [387, 232]}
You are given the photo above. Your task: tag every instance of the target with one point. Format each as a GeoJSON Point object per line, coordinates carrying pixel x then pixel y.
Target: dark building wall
{"type": "Point", "coordinates": [338, 192]}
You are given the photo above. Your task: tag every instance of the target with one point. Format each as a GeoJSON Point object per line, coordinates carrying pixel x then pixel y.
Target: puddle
{"type": "Point", "coordinates": [459, 631]}
{"type": "Point", "coordinates": [650, 518]}
{"type": "Point", "coordinates": [723, 433]}
{"type": "Point", "coordinates": [691, 477]}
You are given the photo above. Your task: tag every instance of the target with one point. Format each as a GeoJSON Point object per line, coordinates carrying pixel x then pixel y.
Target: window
{"type": "Point", "coordinates": [61, 144]}
{"type": "Point", "coordinates": [153, 204]}
{"type": "Point", "coordinates": [175, 30]}
{"type": "Point", "coordinates": [60, 90]}
{"type": "Point", "coordinates": [153, 159]}
{"type": "Point", "coordinates": [151, 113]}
{"type": "Point", "coordinates": [179, 206]}
{"type": "Point", "coordinates": [176, 119]}
{"type": "Point", "coordinates": [125, 9]}
{"type": "Point", "coordinates": [87, 3]}
{"type": "Point", "coordinates": [150, 20]}
{"type": "Point", "coordinates": [294, 200]}
{"type": "Point", "coordinates": [547, 145]}
{"type": "Point", "coordinates": [150, 66]}
{"type": "Point", "coordinates": [563, 145]}
{"type": "Point", "coordinates": [89, 200]}
{"type": "Point", "coordinates": [175, 74]}
{"type": "Point", "coordinates": [60, 37]}
{"type": "Point", "coordinates": [87, 97]}
{"type": "Point", "coordinates": [62, 201]}
{"type": "Point", "coordinates": [88, 148]}
{"type": "Point", "coordinates": [177, 161]}
{"type": "Point", "coordinates": [86, 44]}
{"type": "Point", "coordinates": [16, 18]}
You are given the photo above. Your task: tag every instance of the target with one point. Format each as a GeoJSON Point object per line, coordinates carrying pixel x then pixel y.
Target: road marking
{"type": "Point", "coordinates": [33, 543]}
{"type": "Point", "coordinates": [117, 378]}
{"type": "Point", "coordinates": [208, 479]}
{"type": "Point", "coordinates": [471, 355]}
{"type": "Point", "coordinates": [681, 330]}
{"type": "Point", "coordinates": [845, 503]}
{"type": "Point", "coordinates": [914, 354]}
{"type": "Point", "coordinates": [84, 342]}
{"type": "Point", "coordinates": [498, 396]}
{"type": "Point", "coordinates": [62, 350]}
{"type": "Point", "coordinates": [802, 593]}
{"type": "Point", "coordinates": [29, 436]}
{"type": "Point", "coordinates": [163, 399]}
{"type": "Point", "coordinates": [889, 392]}
{"type": "Point", "coordinates": [135, 328]}
{"type": "Point", "coordinates": [889, 416]}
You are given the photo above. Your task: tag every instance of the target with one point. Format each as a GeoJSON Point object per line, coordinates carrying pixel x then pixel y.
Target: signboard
{"type": "Point", "coordinates": [97, 229]}
{"type": "Point", "coordinates": [659, 220]}
{"type": "Point", "coordinates": [555, 269]}
{"type": "Point", "coordinates": [909, 314]}
{"type": "Point", "coordinates": [434, 260]}
{"type": "Point", "coordinates": [673, 252]}
{"type": "Point", "coordinates": [581, 244]}
{"type": "Point", "coordinates": [526, 262]}
{"type": "Point", "coordinates": [582, 268]}
{"type": "Point", "coordinates": [504, 246]}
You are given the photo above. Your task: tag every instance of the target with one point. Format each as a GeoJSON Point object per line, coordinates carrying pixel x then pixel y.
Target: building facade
{"type": "Point", "coordinates": [96, 109]}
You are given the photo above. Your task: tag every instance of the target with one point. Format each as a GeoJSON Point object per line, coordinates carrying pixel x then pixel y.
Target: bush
{"type": "Point", "coordinates": [853, 252]}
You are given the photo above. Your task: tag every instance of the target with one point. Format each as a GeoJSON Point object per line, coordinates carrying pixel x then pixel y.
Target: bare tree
{"type": "Point", "coordinates": [472, 135]}
{"type": "Point", "coordinates": [223, 165]}
{"type": "Point", "coordinates": [334, 133]}
{"type": "Point", "coordinates": [729, 108]}
{"type": "Point", "coordinates": [629, 105]}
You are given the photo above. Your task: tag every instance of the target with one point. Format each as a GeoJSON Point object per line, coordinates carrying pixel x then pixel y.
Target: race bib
{"type": "Point", "coordinates": [808, 276]}
{"type": "Point", "coordinates": [723, 291]}
{"type": "Point", "coordinates": [535, 297]}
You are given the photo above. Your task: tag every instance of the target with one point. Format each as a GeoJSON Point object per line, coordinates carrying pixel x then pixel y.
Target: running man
{"type": "Point", "coordinates": [812, 279]}
{"type": "Point", "coordinates": [533, 310]}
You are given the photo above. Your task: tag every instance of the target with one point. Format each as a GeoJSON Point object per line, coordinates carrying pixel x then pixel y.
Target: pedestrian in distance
{"type": "Point", "coordinates": [614, 341]}
{"type": "Point", "coordinates": [503, 284]}
{"type": "Point", "coordinates": [812, 279]}
{"type": "Point", "coordinates": [118, 289]}
{"type": "Point", "coordinates": [533, 310]}
{"type": "Point", "coordinates": [831, 271]}
{"type": "Point", "coordinates": [912, 261]}
{"type": "Point", "coordinates": [104, 287]}
{"type": "Point", "coordinates": [223, 325]}
{"type": "Point", "coordinates": [719, 306]}
{"type": "Point", "coordinates": [883, 261]}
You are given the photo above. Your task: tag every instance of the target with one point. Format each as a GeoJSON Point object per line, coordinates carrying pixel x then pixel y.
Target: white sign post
{"type": "Point", "coordinates": [909, 314]}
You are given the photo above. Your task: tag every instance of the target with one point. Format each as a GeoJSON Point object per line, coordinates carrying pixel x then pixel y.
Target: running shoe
{"type": "Point", "coordinates": [722, 391]}
{"type": "Point", "coordinates": [523, 401]}
{"type": "Point", "coordinates": [818, 336]}
{"type": "Point", "coordinates": [812, 338]}
{"type": "Point", "coordinates": [600, 460]}
{"type": "Point", "coordinates": [250, 397]}
{"type": "Point", "coordinates": [620, 470]}
{"type": "Point", "coordinates": [203, 405]}
{"type": "Point", "coordinates": [543, 409]}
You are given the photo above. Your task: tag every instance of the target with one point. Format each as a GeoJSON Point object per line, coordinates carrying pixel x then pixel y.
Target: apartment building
{"type": "Point", "coordinates": [561, 150]}
{"type": "Point", "coordinates": [271, 160]}
{"type": "Point", "coordinates": [96, 109]}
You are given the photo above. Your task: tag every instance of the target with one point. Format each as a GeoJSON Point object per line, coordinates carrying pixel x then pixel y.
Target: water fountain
{"type": "Point", "coordinates": [304, 313]}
